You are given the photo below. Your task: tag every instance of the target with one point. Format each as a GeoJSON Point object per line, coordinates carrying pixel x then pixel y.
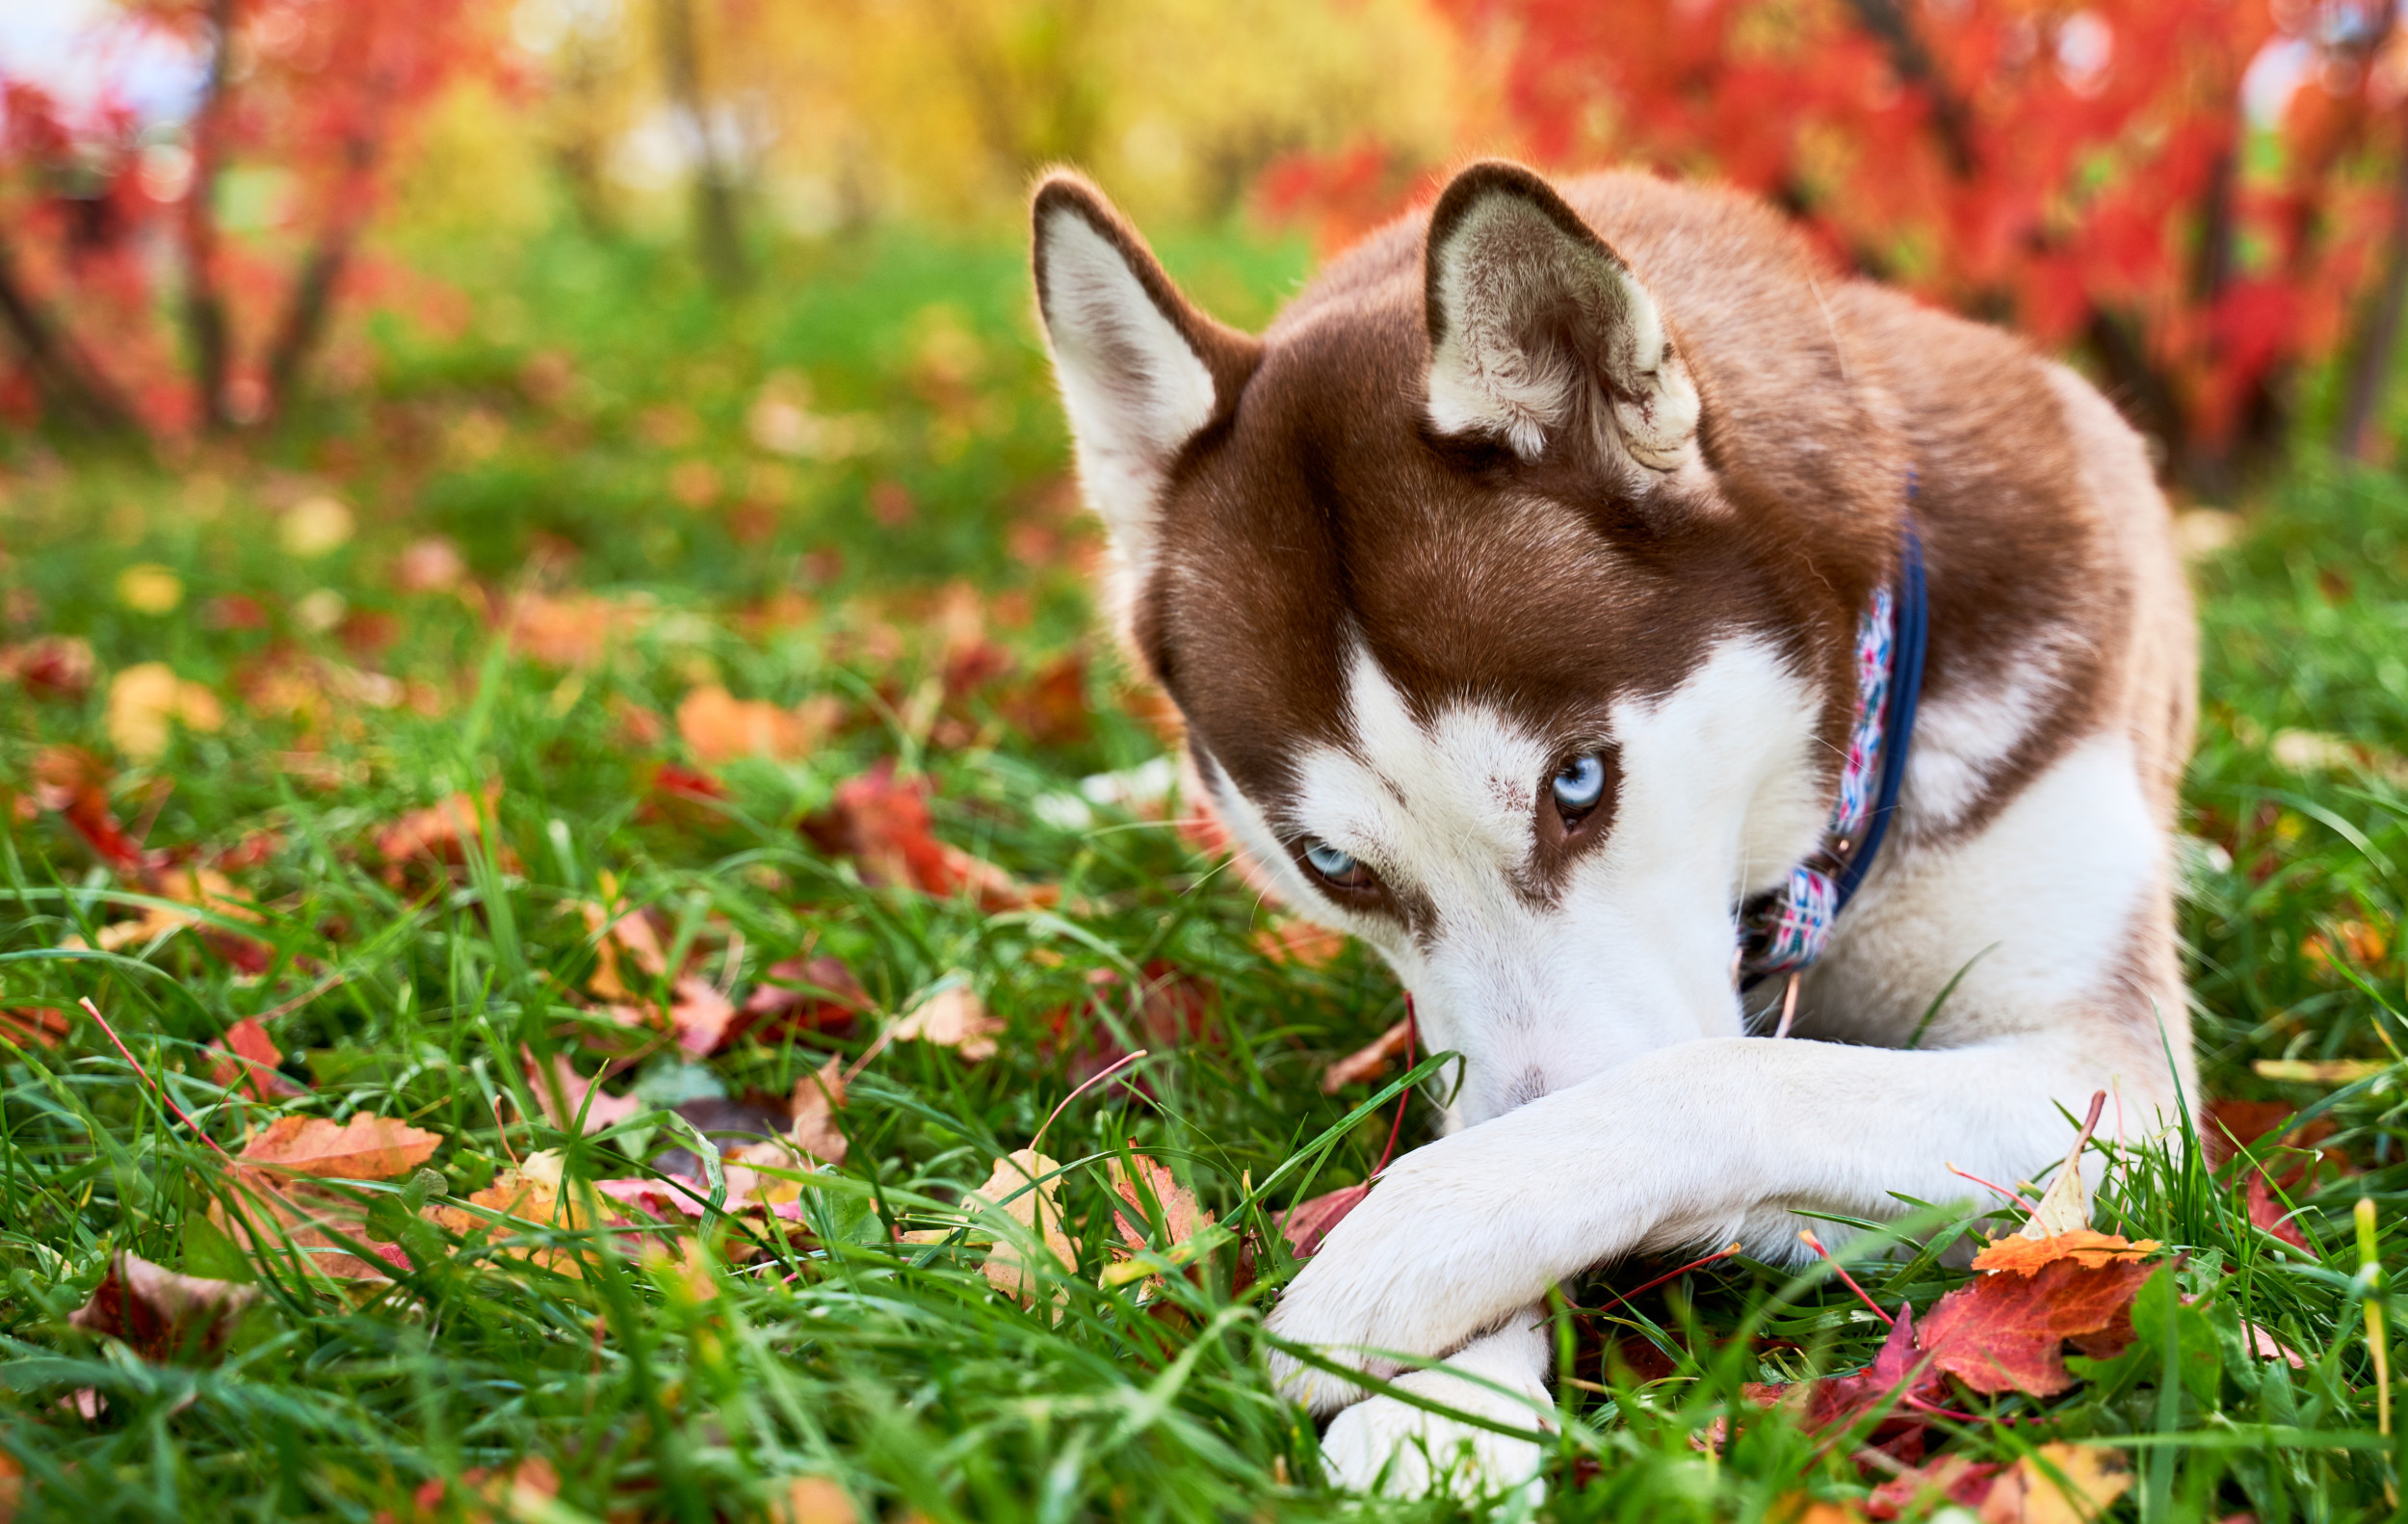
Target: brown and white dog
{"type": "Point", "coordinates": [1508, 588]}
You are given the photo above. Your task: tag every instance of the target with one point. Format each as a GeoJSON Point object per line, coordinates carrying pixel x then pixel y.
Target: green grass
{"type": "Point", "coordinates": [895, 1369]}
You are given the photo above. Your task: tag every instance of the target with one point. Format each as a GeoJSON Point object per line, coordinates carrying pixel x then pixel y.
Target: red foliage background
{"type": "Point", "coordinates": [127, 303]}
{"type": "Point", "coordinates": [2086, 173]}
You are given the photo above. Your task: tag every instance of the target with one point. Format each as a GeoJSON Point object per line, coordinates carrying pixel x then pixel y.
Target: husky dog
{"type": "Point", "coordinates": [1514, 589]}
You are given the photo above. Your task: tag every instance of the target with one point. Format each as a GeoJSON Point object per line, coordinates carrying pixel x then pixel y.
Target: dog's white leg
{"type": "Point", "coordinates": [1692, 1143]}
{"type": "Point", "coordinates": [1405, 1450]}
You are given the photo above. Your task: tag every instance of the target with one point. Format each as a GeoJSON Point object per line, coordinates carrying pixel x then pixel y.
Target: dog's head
{"type": "Point", "coordinates": [1476, 657]}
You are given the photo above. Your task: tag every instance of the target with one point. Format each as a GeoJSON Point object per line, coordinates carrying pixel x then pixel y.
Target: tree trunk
{"type": "Point", "coordinates": [204, 307]}
{"type": "Point", "coordinates": [69, 382]}
{"type": "Point", "coordinates": [716, 239]}
{"type": "Point", "coordinates": [312, 297]}
{"type": "Point", "coordinates": [2354, 431]}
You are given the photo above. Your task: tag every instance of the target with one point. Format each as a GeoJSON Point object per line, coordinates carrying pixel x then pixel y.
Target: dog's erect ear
{"type": "Point", "coordinates": [1538, 331]}
{"type": "Point", "coordinates": [1141, 371]}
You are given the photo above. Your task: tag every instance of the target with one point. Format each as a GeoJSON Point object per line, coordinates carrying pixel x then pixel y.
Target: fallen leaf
{"type": "Point", "coordinates": [1050, 706]}
{"type": "Point", "coordinates": [74, 783]}
{"type": "Point", "coordinates": [1308, 1222]}
{"type": "Point", "coordinates": [699, 1013]}
{"type": "Point", "coordinates": [1796, 1507]}
{"type": "Point", "coordinates": [441, 834]}
{"type": "Point", "coordinates": [582, 1097]}
{"type": "Point", "coordinates": [2006, 1331]}
{"type": "Point", "coordinates": [2320, 1071]}
{"type": "Point", "coordinates": [41, 1026]}
{"type": "Point", "coordinates": [954, 1017]}
{"type": "Point", "coordinates": [1172, 1010]}
{"type": "Point", "coordinates": [1027, 1188]}
{"type": "Point", "coordinates": [1898, 1380]}
{"type": "Point", "coordinates": [813, 1500]}
{"type": "Point", "coordinates": [2316, 751]}
{"type": "Point", "coordinates": [160, 1313]}
{"type": "Point", "coordinates": [796, 994]}
{"type": "Point", "coordinates": [2058, 1484]}
{"type": "Point", "coordinates": [2025, 1255]}
{"type": "Point", "coordinates": [2233, 1124]}
{"type": "Point", "coordinates": [249, 1063]}
{"type": "Point", "coordinates": [2271, 1215]}
{"type": "Point", "coordinates": [1370, 1059]}
{"type": "Point", "coordinates": [883, 824]}
{"type": "Point", "coordinates": [431, 564]}
{"type": "Point", "coordinates": [1182, 1216]}
{"type": "Point", "coordinates": [719, 727]}
{"type": "Point", "coordinates": [51, 665]}
{"type": "Point", "coordinates": [818, 1096]}
{"type": "Point", "coordinates": [2065, 1206]}
{"type": "Point", "coordinates": [295, 1218]}
{"type": "Point", "coordinates": [364, 1149]}
{"type": "Point", "coordinates": [632, 933]}
{"type": "Point", "coordinates": [1297, 941]}
{"type": "Point", "coordinates": [576, 631]}
{"type": "Point", "coordinates": [1951, 1479]}
{"type": "Point", "coordinates": [148, 700]}
{"type": "Point", "coordinates": [148, 587]}
{"type": "Point", "coordinates": [488, 1495]}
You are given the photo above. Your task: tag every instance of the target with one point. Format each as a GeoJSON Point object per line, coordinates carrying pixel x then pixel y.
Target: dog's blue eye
{"type": "Point", "coordinates": [1336, 866]}
{"type": "Point", "coordinates": [1581, 783]}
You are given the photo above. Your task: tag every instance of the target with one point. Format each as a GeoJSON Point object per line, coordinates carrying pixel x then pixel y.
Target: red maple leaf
{"type": "Point", "coordinates": [2008, 1331]}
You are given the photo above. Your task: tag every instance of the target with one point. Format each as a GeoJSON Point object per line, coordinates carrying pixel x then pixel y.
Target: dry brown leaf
{"type": "Point", "coordinates": [2094, 1476]}
{"type": "Point", "coordinates": [1026, 1186]}
{"type": "Point", "coordinates": [161, 1313]}
{"type": "Point", "coordinates": [363, 1148]}
{"type": "Point", "coordinates": [954, 1017]}
{"type": "Point", "coordinates": [1370, 1059]}
{"type": "Point", "coordinates": [817, 1098]}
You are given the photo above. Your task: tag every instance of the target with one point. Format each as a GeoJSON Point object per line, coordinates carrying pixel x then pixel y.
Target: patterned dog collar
{"type": "Point", "coordinates": [1786, 928]}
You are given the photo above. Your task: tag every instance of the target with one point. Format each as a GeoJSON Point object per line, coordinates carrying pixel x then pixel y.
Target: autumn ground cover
{"type": "Point", "coordinates": [575, 895]}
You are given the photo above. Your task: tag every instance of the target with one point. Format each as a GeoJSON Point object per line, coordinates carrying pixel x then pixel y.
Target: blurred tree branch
{"type": "Point", "coordinates": [65, 376]}
{"type": "Point", "coordinates": [717, 237]}
{"type": "Point", "coordinates": [204, 303]}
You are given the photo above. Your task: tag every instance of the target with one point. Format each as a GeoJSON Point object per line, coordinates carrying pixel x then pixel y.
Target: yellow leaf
{"type": "Point", "coordinates": [147, 699]}
{"type": "Point", "coordinates": [1027, 1188]}
{"type": "Point", "coordinates": [2028, 1494]}
{"type": "Point", "coordinates": [2318, 1072]}
{"type": "Point", "coordinates": [149, 588]}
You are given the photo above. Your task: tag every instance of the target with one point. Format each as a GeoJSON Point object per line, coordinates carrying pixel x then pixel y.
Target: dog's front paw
{"type": "Point", "coordinates": [1388, 1446]}
{"type": "Point", "coordinates": [1421, 1266]}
